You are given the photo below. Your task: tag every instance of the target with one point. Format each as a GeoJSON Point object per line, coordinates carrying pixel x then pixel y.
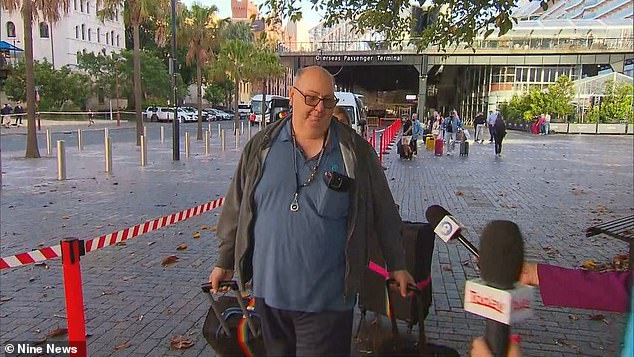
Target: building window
{"type": "Point", "coordinates": [89, 34]}
{"type": "Point", "coordinates": [77, 32]}
{"type": "Point", "coordinates": [98, 35]}
{"type": "Point", "coordinates": [83, 31]}
{"type": "Point", "coordinates": [88, 7]}
{"type": "Point", "coordinates": [43, 30]}
{"type": "Point", "coordinates": [81, 5]}
{"type": "Point", "coordinates": [107, 38]}
{"type": "Point", "coordinates": [118, 41]}
{"type": "Point", "coordinates": [10, 29]}
{"type": "Point", "coordinates": [112, 38]}
{"type": "Point", "coordinates": [75, 1]}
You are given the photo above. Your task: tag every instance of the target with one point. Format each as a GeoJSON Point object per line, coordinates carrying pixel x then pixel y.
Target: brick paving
{"type": "Point", "coordinates": [553, 187]}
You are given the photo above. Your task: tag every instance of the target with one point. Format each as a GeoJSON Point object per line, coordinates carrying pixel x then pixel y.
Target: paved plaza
{"type": "Point", "coordinates": [554, 187]}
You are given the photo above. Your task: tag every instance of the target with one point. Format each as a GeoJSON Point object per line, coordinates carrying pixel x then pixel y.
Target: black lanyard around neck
{"type": "Point", "coordinates": [295, 203]}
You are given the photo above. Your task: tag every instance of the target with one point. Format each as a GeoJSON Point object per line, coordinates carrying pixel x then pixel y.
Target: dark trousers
{"type": "Point", "coordinates": [294, 333]}
{"type": "Point", "coordinates": [414, 146]}
{"type": "Point", "coordinates": [498, 143]}
{"type": "Point", "coordinates": [491, 132]}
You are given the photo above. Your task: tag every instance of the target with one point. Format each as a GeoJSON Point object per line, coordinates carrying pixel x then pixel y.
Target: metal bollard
{"type": "Point", "coordinates": [209, 129]}
{"type": "Point", "coordinates": [222, 139]}
{"type": "Point", "coordinates": [108, 156]}
{"type": "Point", "coordinates": [79, 143]}
{"type": "Point", "coordinates": [187, 144]}
{"type": "Point", "coordinates": [260, 123]}
{"type": "Point", "coordinates": [206, 143]}
{"type": "Point", "coordinates": [105, 133]}
{"type": "Point", "coordinates": [162, 134]}
{"type": "Point", "coordinates": [242, 128]}
{"type": "Point", "coordinates": [237, 139]}
{"type": "Point", "coordinates": [145, 133]}
{"type": "Point", "coordinates": [61, 160]}
{"type": "Point", "coordinates": [219, 130]}
{"type": "Point", "coordinates": [49, 142]}
{"type": "Point", "coordinates": [143, 151]}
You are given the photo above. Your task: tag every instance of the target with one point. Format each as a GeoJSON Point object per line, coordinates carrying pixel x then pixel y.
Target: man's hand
{"type": "Point", "coordinates": [529, 274]}
{"type": "Point", "coordinates": [403, 278]}
{"type": "Point", "coordinates": [217, 275]}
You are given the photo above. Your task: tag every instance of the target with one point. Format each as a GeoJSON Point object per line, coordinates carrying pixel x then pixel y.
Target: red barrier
{"type": "Point", "coordinates": [72, 250]}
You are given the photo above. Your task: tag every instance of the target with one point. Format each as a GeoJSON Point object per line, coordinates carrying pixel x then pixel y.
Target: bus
{"type": "Point", "coordinates": [274, 105]}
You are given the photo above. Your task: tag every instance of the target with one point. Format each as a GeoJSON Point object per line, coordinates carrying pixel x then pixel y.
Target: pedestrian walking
{"type": "Point", "coordinates": [491, 123]}
{"type": "Point", "coordinates": [417, 133]}
{"type": "Point", "coordinates": [6, 115]}
{"type": "Point", "coordinates": [91, 117]}
{"type": "Point", "coordinates": [307, 194]}
{"type": "Point", "coordinates": [547, 124]}
{"type": "Point", "coordinates": [499, 132]}
{"type": "Point", "coordinates": [452, 125]}
{"type": "Point", "coordinates": [479, 123]}
{"type": "Point", "coordinates": [19, 114]}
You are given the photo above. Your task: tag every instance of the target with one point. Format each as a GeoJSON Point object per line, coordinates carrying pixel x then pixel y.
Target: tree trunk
{"type": "Point", "coordinates": [236, 98]}
{"type": "Point", "coordinates": [199, 82]}
{"type": "Point", "coordinates": [32, 151]}
{"type": "Point", "coordinates": [138, 100]}
{"type": "Point", "coordinates": [263, 104]}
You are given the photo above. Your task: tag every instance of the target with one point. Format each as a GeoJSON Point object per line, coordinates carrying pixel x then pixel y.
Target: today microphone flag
{"type": "Point", "coordinates": [504, 306]}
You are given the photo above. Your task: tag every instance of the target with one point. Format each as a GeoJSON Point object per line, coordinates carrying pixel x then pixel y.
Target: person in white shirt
{"type": "Point", "coordinates": [491, 122]}
{"type": "Point", "coordinates": [547, 124]}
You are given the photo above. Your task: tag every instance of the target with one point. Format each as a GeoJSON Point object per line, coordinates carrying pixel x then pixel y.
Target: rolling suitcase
{"type": "Point", "coordinates": [429, 143]}
{"type": "Point", "coordinates": [232, 327]}
{"type": "Point", "coordinates": [438, 146]}
{"type": "Point", "coordinates": [375, 296]}
{"type": "Point", "coordinates": [464, 148]}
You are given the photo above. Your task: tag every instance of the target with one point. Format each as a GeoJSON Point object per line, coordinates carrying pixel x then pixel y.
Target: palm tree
{"type": "Point", "coordinates": [235, 60]}
{"type": "Point", "coordinates": [135, 12]}
{"type": "Point", "coordinates": [265, 65]}
{"type": "Point", "coordinates": [198, 33]}
{"type": "Point", "coordinates": [50, 11]}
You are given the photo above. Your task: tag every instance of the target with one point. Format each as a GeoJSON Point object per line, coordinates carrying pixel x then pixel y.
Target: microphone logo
{"type": "Point", "coordinates": [447, 228]}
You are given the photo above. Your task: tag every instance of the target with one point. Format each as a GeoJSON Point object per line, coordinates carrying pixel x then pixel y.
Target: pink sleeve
{"type": "Point", "coordinates": [576, 288]}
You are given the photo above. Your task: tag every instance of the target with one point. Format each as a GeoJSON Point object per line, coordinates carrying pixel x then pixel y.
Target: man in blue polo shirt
{"type": "Point", "coordinates": [307, 194]}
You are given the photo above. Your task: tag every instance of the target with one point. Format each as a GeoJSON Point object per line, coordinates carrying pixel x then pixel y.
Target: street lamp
{"type": "Point", "coordinates": [117, 62]}
{"type": "Point", "coordinates": [175, 125]}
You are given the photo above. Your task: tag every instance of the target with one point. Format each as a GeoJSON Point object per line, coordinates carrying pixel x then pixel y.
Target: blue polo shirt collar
{"type": "Point", "coordinates": [285, 135]}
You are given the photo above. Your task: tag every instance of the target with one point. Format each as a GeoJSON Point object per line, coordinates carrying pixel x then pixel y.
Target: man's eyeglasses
{"type": "Point", "coordinates": [313, 100]}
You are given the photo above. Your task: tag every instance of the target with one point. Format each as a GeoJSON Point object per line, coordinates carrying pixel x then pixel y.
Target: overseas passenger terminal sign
{"type": "Point", "coordinates": [359, 58]}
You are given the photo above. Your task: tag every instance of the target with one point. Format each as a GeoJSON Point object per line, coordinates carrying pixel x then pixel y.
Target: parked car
{"type": "Point", "coordinates": [220, 115]}
{"type": "Point", "coordinates": [159, 114]}
{"type": "Point", "coordinates": [244, 110]}
{"type": "Point", "coordinates": [185, 115]}
{"type": "Point", "coordinates": [194, 112]}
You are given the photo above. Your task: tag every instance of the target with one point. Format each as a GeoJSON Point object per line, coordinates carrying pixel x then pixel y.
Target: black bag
{"type": "Point", "coordinates": [232, 327]}
{"type": "Point", "coordinates": [418, 241]}
{"type": "Point", "coordinates": [464, 148]}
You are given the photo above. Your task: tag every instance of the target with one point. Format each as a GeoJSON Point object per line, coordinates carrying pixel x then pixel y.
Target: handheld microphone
{"type": "Point", "coordinates": [497, 296]}
{"type": "Point", "coordinates": [447, 227]}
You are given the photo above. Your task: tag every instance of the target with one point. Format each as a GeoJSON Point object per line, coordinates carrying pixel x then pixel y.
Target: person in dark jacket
{"type": "Point", "coordinates": [479, 123]}
{"type": "Point", "coordinates": [499, 132]}
{"type": "Point", "coordinates": [306, 197]}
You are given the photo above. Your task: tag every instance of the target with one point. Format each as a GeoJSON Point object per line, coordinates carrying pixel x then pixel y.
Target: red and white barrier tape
{"type": "Point", "coordinates": [53, 252]}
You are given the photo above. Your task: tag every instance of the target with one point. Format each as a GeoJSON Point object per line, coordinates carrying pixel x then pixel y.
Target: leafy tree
{"type": "Point", "coordinates": [264, 66]}
{"type": "Point", "coordinates": [198, 33]}
{"type": "Point", "coordinates": [136, 12]}
{"type": "Point", "coordinates": [49, 11]}
{"type": "Point", "coordinates": [236, 31]}
{"type": "Point", "coordinates": [559, 98]}
{"type": "Point", "coordinates": [57, 87]}
{"type": "Point", "coordinates": [455, 22]}
{"type": "Point", "coordinates": [215, 93]}
{"type": "Point", "coordinates": [234, 60]}
{"type": "Point", "coordinates": [617, 103]}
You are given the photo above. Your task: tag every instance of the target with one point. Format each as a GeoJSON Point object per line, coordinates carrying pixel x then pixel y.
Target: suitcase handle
{"type": "Point", "coordinates": [233, 286]}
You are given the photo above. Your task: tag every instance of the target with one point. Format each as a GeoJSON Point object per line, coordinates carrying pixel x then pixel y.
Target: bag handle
{"type": "Point", "coordinates": [233, 286]}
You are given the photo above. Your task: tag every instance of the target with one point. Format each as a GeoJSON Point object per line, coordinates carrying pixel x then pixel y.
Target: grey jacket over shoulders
{"type": "Point", "coordinates": [373, 213]}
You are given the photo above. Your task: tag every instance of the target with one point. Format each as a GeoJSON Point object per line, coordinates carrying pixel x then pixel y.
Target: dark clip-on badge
{"type": "Point", "coordinates": [337, 182]}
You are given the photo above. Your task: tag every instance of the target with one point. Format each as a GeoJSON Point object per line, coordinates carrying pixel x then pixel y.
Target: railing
{"type": "Point", "coordinates": [508, 44]}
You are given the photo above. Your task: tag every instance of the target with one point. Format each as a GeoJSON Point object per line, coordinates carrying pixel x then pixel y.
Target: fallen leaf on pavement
{"type": "Point", "coordinates": [214, 228]}
{"type": "Point", "coordinates": [169, 260]}
{"type": "Point", "coordinates": [597, 317]}
{"type": "Point", "coordinates": [204, 228]}
{"type": "Point", "coordinates": [151, 243]}
{"type": "Point", "coordinates": [573, 317]}
{"type": "Point", "coordinates": [123, 346]}
{"type": "Point", "coordinates": [126, 278]}
{"type": "Point", "coordinates": [447, 268]}
{"type": "Point", "coordinates": [121, 244]}
{"type": "Point", "coordinates": [40, 244]}
{"type": "Point", "coordinates": [5, 299]}
{"type": "Point", "coordinates": [459, 193]}
{"type": "Point", "coordinates": [181, 342]}
{"type": "Point", "coordinates": [57, 332]}
{"type": "Point", "coordinates": [196, 234]}
{"type": "Point", "coordinates": [590, 264]}
{"type": "Point", "coordinates": [66, 217]}
{"type": "Point", "coordinates": [182, 247]}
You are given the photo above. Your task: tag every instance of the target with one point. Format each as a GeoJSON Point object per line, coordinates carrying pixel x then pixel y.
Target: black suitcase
{"type": "Point", "coordinates": [464, 148]}
{"type": "Point", "coordinates": [232, 327]}
{"type": "Point", "coordinates": [418, 241]}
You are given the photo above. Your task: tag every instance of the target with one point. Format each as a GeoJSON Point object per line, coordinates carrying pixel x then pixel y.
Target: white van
{"type": "Point", "coordinates": [274, 104]}
{"type": "Point", "coordinates": [353, 105]}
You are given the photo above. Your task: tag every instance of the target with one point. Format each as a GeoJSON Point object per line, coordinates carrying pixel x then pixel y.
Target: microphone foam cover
{"type": "Point", "coordinates": [501, 254]}
{"type": "Point", "coordinates": [435, 214]}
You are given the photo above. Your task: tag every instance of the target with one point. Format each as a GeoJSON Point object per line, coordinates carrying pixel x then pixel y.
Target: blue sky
{"type": "Point", "coordinates": [310, 17]}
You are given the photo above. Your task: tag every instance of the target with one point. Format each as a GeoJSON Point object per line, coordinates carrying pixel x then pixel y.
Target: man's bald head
{"type": "Point", "coordinates": [313, 73]}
